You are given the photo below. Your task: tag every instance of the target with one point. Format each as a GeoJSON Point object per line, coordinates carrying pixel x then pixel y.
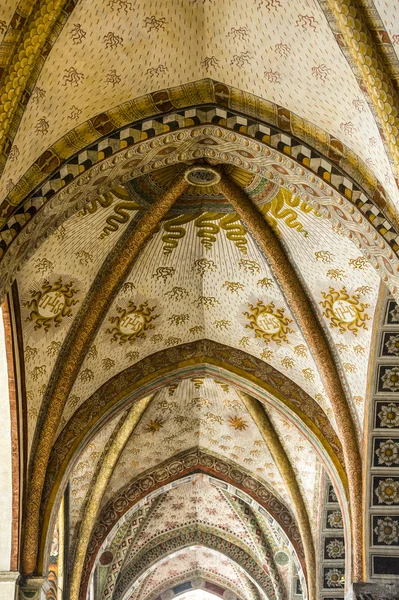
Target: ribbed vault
{"type": "Point", "coordinates": [198, 236]}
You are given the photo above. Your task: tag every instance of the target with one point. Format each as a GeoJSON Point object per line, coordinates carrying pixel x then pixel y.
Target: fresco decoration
{"type": "Point", "coordinates": [233, 358]}
{"type": "Point", "coordinates": [331, 542]}
{"type": "Point", "coordinates": [199, 573]}
{"type": "Point", "coordinates": [81, 476]}
{"type": "Point", "coordinates": [122, 207]}
{"type": "Point", "coordinates": [278, 518]}
{"type": "Point", "coordinates": [200, 535]}
{"type": "Point", "coordinates": [52, 576]}
{"type": "Point", "coordinates": [112, 81]}
{"type": "Point", "coordinates": [91, 191]}
{"type": "Point", "coordinates": [191, 569]}
{"type": "Point", "coordinates": [132, 322]}
{"type": "Point", "coordinates": [375, 22]}
{"type": "Point", "coordinates": [169, 499]}
{"type": "Point", "coordinates": [383, 472]}
{"type": "Point", "coordinates": [267, 544]}
{"type": "Point", "coordinates": [204, 507]}
{"type": "Point", "coordinates": [199, 413]}
{"type": "Point", "coordinates": [345, 312]}
{"type": "Point", "coordinates": [51, 303]}
{"type": "Point", "coordinates": [268, 322]}
{"type": "Point", "coordinates": [202, 280]}
{"type": "Point", "coordinates": [70, 256]}
{"type": "Point", "coordinates": [98, 129]}
{"type": "Point", "coordinates": [174, 283]}
{"type": "Point", "coordinates": [305, 462]}
{"type": "Point", "coordinates": [119, 545]}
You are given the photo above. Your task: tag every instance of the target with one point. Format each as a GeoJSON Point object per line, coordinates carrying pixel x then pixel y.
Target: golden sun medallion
{"type": "Point", "coordinates": [344, 311]}
{"type": "Point", "coordinates": [268, 322]}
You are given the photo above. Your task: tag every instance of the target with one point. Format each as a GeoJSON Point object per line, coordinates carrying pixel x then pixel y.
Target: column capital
{"type": "Point", "coordinates": [9, 576]}
{"type": "Point", "coordinates": [33, 588]}
{"type": "Point", "coordinates": [375, 591]}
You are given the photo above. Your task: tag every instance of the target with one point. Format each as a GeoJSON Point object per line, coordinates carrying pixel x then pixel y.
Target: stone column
{"type": "Point", "coordinates": [8, 585]}
{"type": "Point", "coordinates": [33, 588]}
{"type": "Point", "coordinates": [376, 591]}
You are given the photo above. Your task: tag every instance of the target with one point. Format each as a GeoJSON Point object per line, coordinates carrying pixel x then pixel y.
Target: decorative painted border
{"type": "Point", "coordinates": [70, 162]}
{"type": "Point", "coordinates": [383, 472]}
{"type": "Point", "coordinates": [330, 532]}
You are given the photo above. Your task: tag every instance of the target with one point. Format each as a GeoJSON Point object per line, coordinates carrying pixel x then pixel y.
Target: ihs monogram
{"type": "Point", "coordinates": [132, 322]}
{"type": "Point", "coordinates": [51, 304]}
{"type": "Point", "coordinates": [345, 312]}
{"type": "Point", "coordinates": [268, 322]}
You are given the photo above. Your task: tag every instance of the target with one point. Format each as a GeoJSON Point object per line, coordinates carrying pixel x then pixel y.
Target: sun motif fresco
{"type": "Point", "coordinates": [132, 322]}
{"type": "Point", "coordinates": [344, 311]}
{"type": "Point", "coordinates": [268, 322]}
{"type": "Point", "coordinates": [50, 303]}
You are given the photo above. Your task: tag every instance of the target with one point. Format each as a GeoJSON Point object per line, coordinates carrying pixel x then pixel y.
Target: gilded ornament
{"type": "Point", "coordinates": [288, 362]}
{"type": "Point", "coordinates": [179, 319]}
{"type": "Point", "coordinates": [202, 265]}
{"type": "Point", "coordinates": [222, 324]}
{"type": "Point", "coordinates": [176, 293]}
{"type": "Point", "coordinates": [268, 322]}
{"type": "Point", "coordinates": [238, 423]}
{"type": "Point", "coordinates": [301, 350]}
{"type": "Point", "coordinates": [207, 302]}
{"type": "Point", "coordinates": [53, 348]}
{"type": "Point", "coordinates": [154, 426]}
{"type": "Point", "coordinates": [172, 341]}
{"type": "Point", "coordinates": [30, 353]}
{"type": "Point", "coordinates": [344, 311]}
{"type": "Point", "coordinates": [50, 304]}
{"type": "Point", "coordinates": [324, 255]}
{"type": "Point", "coordinates": [337, 274]}
{"type": "Point", "coordinates": [389, 415]}
{"type": "Point", "coordinates": [233, 286]}
{"type": "Point", "coordinates": [249, 266]}
{"type": "Point", "coordinates": [164, 273]}
{"type": "Point", "coordinates": [284, 206]}
{"type": "Point", "coordinates": [196, 329]}
{"type": "Point", "coordinates": [360, 263]}
{"type": "Point", "coordinates": [132, 322]}
{"type": "Point", "coordinates": [265, 283]}
{"type": "Point", "coordinates": [387, 531]}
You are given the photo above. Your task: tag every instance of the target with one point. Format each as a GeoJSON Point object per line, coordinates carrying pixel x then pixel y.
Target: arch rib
{"type": "Point", "coordinates": [366, 57]}
{"type": "Point", "coordinates": [126, 427]}
{"type": "Point", "coordinates": [308, 322]}
{"type": "Point", "coordinates": [279, 455]}
{"type": "Point", "coordinates": [73, 352]}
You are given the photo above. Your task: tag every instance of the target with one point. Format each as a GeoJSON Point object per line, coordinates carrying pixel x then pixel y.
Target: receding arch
{"type": "Point", "coordinates": [185, 537]}
{"type": "Point", "coordinates": [206, 578]}
{"type": "Point", "coordinates": [160, 369]}
{"type": "Point", "coordinates": [177, 468]}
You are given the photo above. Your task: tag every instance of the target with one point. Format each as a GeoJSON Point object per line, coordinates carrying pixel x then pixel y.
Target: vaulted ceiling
{"type": "Point", "coordinates": [199, 227]}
